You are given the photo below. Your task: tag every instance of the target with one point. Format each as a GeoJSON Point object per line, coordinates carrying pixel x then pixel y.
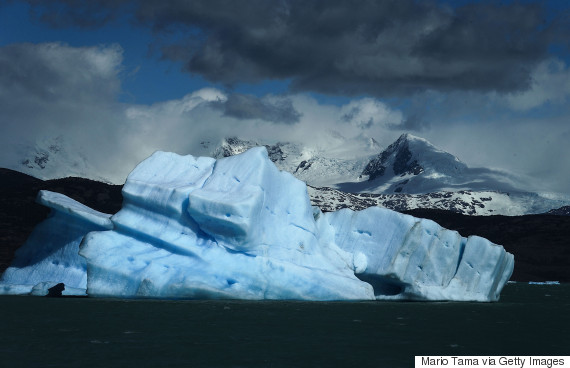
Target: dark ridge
{"type": "Point", "coordinates": [100, 196]}
{"type": "Point", "coordinates": [562, 211]}
{"type": "Point", "coordinates": [13, 179]}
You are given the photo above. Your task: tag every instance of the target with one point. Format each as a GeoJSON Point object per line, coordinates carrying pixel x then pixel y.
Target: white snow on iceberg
{"type": "Point", "coordinates": [237, 227]}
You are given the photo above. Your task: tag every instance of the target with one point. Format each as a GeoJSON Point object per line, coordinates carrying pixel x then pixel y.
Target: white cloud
{"type": "Point", "coordinates": [54, 73]}
{"type": "Point", "coordinates": [183, 125]}
{"type": "Point", "coordinates": [52, 89]}
{"type": "Point", "coordinates": [550, 84]}
{"type": "Point", "coordinates": [368, 112]}
{"type": "Point", "coordinates": [175, 107]}
{"type": "Point", "coordinates": [534, 149]}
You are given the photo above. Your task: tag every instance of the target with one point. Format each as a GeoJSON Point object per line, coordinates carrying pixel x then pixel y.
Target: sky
{"type": "Point", "coordinates": [487, 81]}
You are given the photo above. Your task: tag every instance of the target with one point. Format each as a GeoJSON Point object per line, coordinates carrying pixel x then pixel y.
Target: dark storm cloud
{"type": "Point", "coordinates": [381, 48]}
{"type": "Point", "coordinates": [54, 72]}
{"type": "Point", "coordinates": [82, 13]}
{"type": "Point", "coordinates": [242, 106]}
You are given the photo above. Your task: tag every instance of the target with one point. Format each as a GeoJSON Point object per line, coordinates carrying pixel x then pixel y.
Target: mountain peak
{"type": "Point", "coordinates": [398, 156]}
{"type": "Point", "coordinates": [231, 146]}
{"type": "Point", "coordinates": [408, 138]}
{"type": "Point", "coordinates": [413, 164]}
{"type": "Point", "coordinates": [405, 137]}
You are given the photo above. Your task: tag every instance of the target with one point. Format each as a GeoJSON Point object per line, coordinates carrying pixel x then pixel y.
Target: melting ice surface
{"type": "Point", "coordinates": [237, 227]}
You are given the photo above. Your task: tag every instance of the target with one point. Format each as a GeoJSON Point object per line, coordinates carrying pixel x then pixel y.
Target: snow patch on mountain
{"type": "Point", "coordinates": [314, 165]}
{"type": "Point", "coordinates": [562, 211]}
{"type": "Point", "coordinates": [474, 203]}
{"type": "Point", "coordinates": [51, 158]}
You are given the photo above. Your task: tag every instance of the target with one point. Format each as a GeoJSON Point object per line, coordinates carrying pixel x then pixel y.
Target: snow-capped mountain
{"type": "Point", "coordinates": [413, 165]}
{"type": "Point", "coordinates": [410, 173]}
{"type": "Point", "coordinates": [355, 173]}
{"type": "Point", "coordinates": [409, 165]}
{"type": "Point", "coordinates": [410, 158]}
{"type": "Point", "coordinates": [51, 158]}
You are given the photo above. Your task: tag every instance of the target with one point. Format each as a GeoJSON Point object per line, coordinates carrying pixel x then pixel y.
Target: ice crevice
{"type": "Point", "coordinates": [302, 228]}
{"type": "Point", "coordinates": [239, 228]}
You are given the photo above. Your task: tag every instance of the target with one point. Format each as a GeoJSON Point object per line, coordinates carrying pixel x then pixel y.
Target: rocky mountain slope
{"type": "Point", "coordinates": [466, 202]}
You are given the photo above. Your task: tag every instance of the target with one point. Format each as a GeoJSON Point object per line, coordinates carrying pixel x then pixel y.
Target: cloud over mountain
{"type": "Point", "coordinates": [270, 108]}
{"type": "Point", "coordinates": [485, 80]}
{"type": "Point", "coordinates": [53, 90]}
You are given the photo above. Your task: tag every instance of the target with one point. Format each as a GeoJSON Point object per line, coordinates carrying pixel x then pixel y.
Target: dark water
{"type": "Point", "coordinates": [44, 332]}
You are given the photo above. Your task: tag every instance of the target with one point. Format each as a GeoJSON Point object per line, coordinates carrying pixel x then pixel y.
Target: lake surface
{"type": "Point", "coordinates": [85, 332]}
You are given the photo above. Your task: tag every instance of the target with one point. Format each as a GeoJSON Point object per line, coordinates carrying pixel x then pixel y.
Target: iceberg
{"type": "Point", "coordinates": [200, 228]}
{"type": "Point", "coordinates": [404, 257]}
{"type": "Point", "coordinates": [51, 253]}
{"type": "Point", "coordinates": [239, 228]}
